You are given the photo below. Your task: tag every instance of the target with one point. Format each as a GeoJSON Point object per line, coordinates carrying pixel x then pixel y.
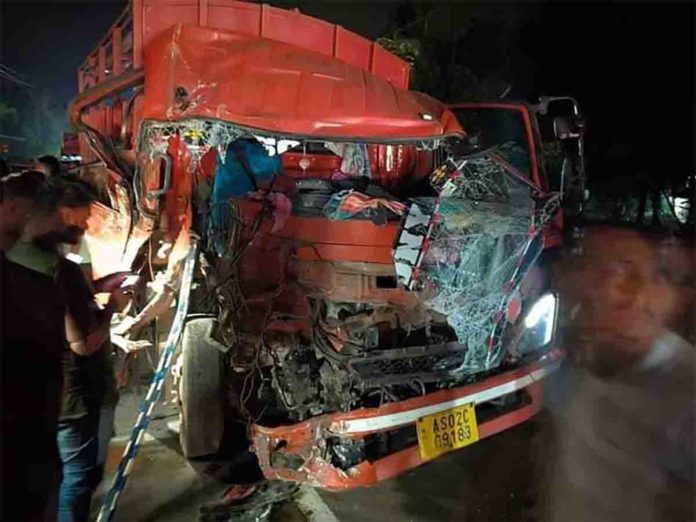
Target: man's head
{"type": "Point", "coordinates": [48, 164]}
{"type": "Point", "coordinates": [619, 295]}
{"type": "Point", "coordinates": [17, 193]}
{"type": "Point", "coordinates": [61, 214]}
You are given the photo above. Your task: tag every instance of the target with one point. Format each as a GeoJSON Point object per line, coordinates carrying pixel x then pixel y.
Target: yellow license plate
{"type": "Point", "coordinates": [447, 431]}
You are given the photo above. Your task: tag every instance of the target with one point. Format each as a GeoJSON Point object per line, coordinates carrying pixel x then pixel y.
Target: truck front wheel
{"type": "Point", "coordinates": [212, 437]}
{"type": "Point", "coordinates": [201, 406]}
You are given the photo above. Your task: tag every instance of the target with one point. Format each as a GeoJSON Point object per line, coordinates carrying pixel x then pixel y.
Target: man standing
{"type": "Point", "coordinates": [33, 333]}
{"type": "Point", "coordinates": [626, 427]}
{"type": "Point", "coordinates": [63, 219]}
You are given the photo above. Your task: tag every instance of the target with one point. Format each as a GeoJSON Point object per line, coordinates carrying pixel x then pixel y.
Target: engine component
{"type": "Point", "coordinates": [295, 380]}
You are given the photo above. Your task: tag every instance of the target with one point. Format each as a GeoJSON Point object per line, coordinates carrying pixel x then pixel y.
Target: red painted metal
{"type": "Point", "coordinates": [389, 164]}
{"type": "Point", "coordinates": [70, 144]}
{"type": "Point", "coordinates": [101, 64]}
{"type": "Point", "coordinates": [351, 283]}
{"type": "Point", "coordinates": [319, 239]}
{"type": "Point", "coordinates": [177, 205]}
{"type": "Point", "coordinates": [358, 89]}
{"type": "Point", "coordinates": [101, 92]}
{"type": "Point", "coordinates": [203, 12]}
{"type": "Point", "coordinates": [136, 32]}
{"type": "Point", "coordinates": [349, 232]}
{"type": "Point", "coordinates": [352, 240]}
{"type": "Point", "coordinates": [275, 447]}
{"type": "Point", "coordinates": [318, 166]}
{"type": "Point", "coordinates": [394, 164]}
{"type": "Point", "coordinates": [144, 20]}
{"type": "Point", "coordinates": [117, 60]}
{"type": "Point", "coordinates": [368, 254]}
{"type": "Point", "coordinates": [280, 88]}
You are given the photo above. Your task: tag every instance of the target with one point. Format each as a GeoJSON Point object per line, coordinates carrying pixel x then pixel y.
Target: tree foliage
{"type": "Point", "coordinates": [445, 42]}
{"type": "Point", "coordinates": [8, 114]}
{"type": "Point", "coordinates": [476, 51]}
{"type": "Point", "coordinates": [32, 115]}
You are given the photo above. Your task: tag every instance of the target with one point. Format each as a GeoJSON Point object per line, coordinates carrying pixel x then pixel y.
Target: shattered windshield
{"type": "Point", "coordinates": [500, 129]}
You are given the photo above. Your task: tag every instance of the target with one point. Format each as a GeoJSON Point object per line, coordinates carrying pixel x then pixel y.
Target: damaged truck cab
{"type": "Point", "coordinates": [371, 289]}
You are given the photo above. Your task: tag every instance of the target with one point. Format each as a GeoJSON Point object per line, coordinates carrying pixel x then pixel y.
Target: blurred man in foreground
{"type": "Point", "coordinates": [626, 426]}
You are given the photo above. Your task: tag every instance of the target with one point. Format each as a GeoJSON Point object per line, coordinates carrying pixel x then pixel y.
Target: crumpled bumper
{"type": "Point", "coordinates": [300, 452]}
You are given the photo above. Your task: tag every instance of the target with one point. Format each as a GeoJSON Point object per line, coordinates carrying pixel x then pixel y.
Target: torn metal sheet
{"type": "Point", "coordinates": [280, 88]}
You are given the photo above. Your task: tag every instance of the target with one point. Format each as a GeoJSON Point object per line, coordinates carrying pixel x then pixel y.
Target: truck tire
{"type": "Point", "coordinates": [201, 402]}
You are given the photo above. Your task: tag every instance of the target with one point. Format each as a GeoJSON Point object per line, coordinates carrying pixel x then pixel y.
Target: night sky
{"type": "Point", "coordinates": [631, 65]}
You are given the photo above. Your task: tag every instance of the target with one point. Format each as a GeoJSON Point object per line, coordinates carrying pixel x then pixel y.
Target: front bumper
{"type": "Point", "coordinates": [299, 452]}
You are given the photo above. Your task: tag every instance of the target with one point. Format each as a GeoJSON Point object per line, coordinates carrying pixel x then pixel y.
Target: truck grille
{"type": "Point", "coordinates": [425, 364]}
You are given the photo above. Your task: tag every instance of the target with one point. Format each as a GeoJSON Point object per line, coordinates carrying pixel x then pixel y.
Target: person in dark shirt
{"type": "Point", "coordinates": [32, 331]}
{"type": "Point", "coordinates": [61, 217]}
{"type": "Point", "coordinates": [87, 330]}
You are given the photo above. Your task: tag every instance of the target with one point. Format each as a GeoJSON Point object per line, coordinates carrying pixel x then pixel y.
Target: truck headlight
{"type": "Point", "coordinates": [540, 321]}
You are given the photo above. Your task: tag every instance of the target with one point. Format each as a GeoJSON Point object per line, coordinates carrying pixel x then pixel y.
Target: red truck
{"type": "Point", "coordinates": [371, 288]}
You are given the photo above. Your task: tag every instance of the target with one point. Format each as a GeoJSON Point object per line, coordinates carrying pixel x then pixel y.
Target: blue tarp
{"type": "Point", "coordinates": [232, 178]}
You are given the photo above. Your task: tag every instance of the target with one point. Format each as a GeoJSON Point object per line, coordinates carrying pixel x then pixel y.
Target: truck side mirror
{"type": "Point", "coordinates": [565, 127]}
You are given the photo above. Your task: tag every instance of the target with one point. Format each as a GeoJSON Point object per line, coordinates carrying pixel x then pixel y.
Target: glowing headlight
{"type": "Point", "coordinates": [541, 319]}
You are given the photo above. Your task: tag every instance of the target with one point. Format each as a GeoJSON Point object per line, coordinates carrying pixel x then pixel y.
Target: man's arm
{"type": "Point", "coordinates": [86, 344]}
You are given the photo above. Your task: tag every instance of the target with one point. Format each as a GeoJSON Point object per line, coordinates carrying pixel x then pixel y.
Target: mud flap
{"type": "Point", "coordinates": [200, 390]}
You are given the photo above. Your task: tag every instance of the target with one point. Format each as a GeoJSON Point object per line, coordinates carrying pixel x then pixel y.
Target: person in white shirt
{"type": "Point", "coordinates": [626, 422]}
